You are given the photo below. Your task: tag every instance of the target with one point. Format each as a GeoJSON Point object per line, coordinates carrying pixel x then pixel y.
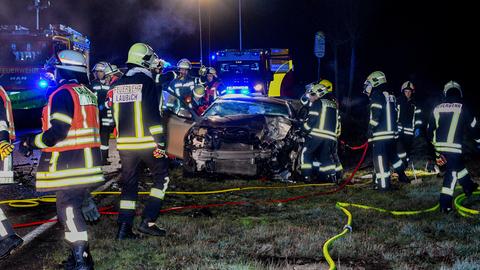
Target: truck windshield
{"type": "Point", "coordinates": [235, 107]}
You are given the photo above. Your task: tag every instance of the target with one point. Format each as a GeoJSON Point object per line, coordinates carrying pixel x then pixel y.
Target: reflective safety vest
{"type": "Point", "coordinates": [323, 120]}
{"type": "Point", "coordinates": [84, 126]}
{"type": "Point", "coordinates": [8, 109]}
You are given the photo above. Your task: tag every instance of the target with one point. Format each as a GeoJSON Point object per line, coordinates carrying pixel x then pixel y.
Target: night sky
{"type": "Point", "coordinates": [429, 42]}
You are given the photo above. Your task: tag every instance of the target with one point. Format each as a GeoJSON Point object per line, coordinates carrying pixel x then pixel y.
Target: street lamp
{"type": "Point", "coordinates": [200, 31]}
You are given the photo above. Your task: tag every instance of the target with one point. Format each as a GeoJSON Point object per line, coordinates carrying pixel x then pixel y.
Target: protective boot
{"type": "Point", "coordinates": [402, 178]}
{"type": "Point", "coordinates": [8, 244]}
{"type": "Point", "coordinates": [82, 259]}
{"type": "Point", "coordinates": [150, 228]}
{"type": "Point", "coordinates": [125, 232]}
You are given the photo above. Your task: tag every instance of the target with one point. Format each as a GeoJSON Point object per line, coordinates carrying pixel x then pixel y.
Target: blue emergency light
{"type": "Point", "coordinates": [42, 83]}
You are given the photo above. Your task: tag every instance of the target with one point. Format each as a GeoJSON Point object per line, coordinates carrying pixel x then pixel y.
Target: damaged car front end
{"type": "Point", "coordinates": [261, 141]}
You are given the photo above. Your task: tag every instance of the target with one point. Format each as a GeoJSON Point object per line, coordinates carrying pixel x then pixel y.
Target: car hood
{"type": "Point", "coordinates": [253, 122]}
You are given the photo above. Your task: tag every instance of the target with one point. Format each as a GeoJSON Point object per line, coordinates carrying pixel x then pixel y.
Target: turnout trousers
{"type": "Point", "coordinates": [131, 160]}
{"type": "Point", "coordinates": [384, 156]}
{"type": "Point", "coordinates": [455, 171]}
{"type": "Point", "coordinates": [318, 156]}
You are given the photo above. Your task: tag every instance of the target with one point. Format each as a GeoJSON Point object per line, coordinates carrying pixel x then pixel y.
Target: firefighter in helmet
{"type": "Point", "coordinates": [70, 163]}
{"type": "Point", "coordinates": [214, 86]}
{"type": "Point", "coordinates": [322, 130]}
{"type": "Point", "coordinates": [140, 138]}
{"type": "Point", "coordinates": [383, 130]}
{"type": "Point", "coordinates": [104, 72]}
{"type": "Point", "coordinates": [409, 121]}
{"type": "Point", "coordinates": [446, 130]}
{"type": "Point", "coordinates": [9, 240]}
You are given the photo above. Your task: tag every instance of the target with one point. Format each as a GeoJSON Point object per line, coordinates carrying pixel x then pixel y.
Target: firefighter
{"type": "Point", "coordinates": [183, 85]}
{"type": "Point", "coordinates": [321, 130]}
{"type": "Point", "coordinates": [100, 87]}
{"type": "Point", "coordinates": [9, 240]}
{"type": "Point", "coordinates": [140, 138]}
{"type": "Point", "coordinates": [383, 130]}
{"type": "Point", "coordinates": [446, 130]}
{"type": "Point", "coordinates": [214, 86]}
{"type": "Point", "coordinates": [70, 163]}
{"type": "Point", "coordinates": [409, 121]}
{"type": "Point", "coordinates": [198, 103]}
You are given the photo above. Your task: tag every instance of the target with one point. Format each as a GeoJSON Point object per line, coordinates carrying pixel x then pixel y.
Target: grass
{"type": "Point", "coordinates": [290, 235]}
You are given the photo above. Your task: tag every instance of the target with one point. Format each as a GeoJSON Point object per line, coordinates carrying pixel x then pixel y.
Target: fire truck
{"type": "Point", "coordinates": [23, 53]}
{"type": "Point", "coordinates": [265, 71]}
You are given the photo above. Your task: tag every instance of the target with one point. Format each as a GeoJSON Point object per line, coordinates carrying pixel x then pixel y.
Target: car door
{"type": "Point", "coordinates": [179, 119]}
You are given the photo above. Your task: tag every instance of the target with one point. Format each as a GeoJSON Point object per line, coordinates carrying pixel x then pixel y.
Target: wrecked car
{"type": "Point", "coordinates": [244, 136]}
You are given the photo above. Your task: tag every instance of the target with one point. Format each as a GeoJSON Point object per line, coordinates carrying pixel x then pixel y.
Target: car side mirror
{"type": "Point", "coordinates": [184, 113]}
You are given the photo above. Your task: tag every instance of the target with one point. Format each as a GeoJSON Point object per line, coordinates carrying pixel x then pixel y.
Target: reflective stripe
{"type": "Point", "coordinates": [382, 174]}
{"type": "Point", "coordinates": [68, 173]}
{"type": "Point", "coordinates": [137, 110]}
{"type": "Point", "coordinates": [408, 132]}
{"type": "Point", "coordinates": [157, 193]}
{"type": "Point", "coordinates": [389, 120]}
{"type": "Point", "coordinates": [306, 166]}
{"type": "Point", "coordinates": [462, 173]}
{"type": "Point", "coordinates": [129, 205]}
{"type": "Point", "coordinates": [453, 126]}
{"type": "Point", "coordinates": [446, 144]}
{"type": "Point", "coordinates": [53, 162]}
{"type": "Point", "coordinates": [70, 182]}
{"type": "Point", "coordinates": [339, 168]}
{"type": "Point", "coordinates": [327, 168]}
{"type": "Point", "coordinates": [402, 155]}
{"type": "Point", "coordinates": [477, 140]}
{"type": "Point", "coordinates": [316, 164]}
{"type": "Point", "coordinates": [39, 141]}
{"type": "Point", "coordinates": [88, 157]}
{"type": "Point", "coordinates": [398, 164]}
{"type": "Point", "coordinates": [381, 138]}
{"type": "Point", "coordinates": [135, 139]}
{"type": "Point", "coordinates": [136, 146]}
{"type": "Point", "coordinates": [61, 117]}
{"type": "Point", "coordinates": [82, 132]}
{"type": "Point", "coordinates": [156, 130]}
{"type": "Point", "coordinates": [373, 122]}
{"type": "Point", "coordinates": [77, 141]}
{"type": "Point", "coordinates": [306, 126]}
{"type": "Point", "coordinates": [324, 131]}
{"type": "Point", "coordinates": [383, 133]}
{"type": "Point", "coordinates": [104, 147]}
{"type": "Point", "coordinates": [448, 150]}
{"type": "Point", "coordinates": [451, 189]}
{"type": "Point", "coordinates": [447, 191]}
{"type": "Point", "coordinates": [376, 105]}
{"type": "Point", "coordinates": [321, 135]}
{"type": "Point", "coordinates": [3, 126]}
{"type": "Point", "coordinates": [313, 113]}
{"type": "Point", "coordinates": [418, 122]}
{"type": "Point", "coordinates": [418, 111]}
{"type": "Point", "coordinates": [474, 122]}
{"type": "Point", "coordinates": [73, 235]}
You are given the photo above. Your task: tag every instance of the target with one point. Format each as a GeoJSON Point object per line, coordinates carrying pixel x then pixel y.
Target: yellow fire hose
{"type": "Point", "coordinates": [462, 210]}
{"type": "Point", "coordinates": [33, 202]}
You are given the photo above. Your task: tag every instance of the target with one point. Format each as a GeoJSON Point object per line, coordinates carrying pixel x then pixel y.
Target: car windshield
{"type": "Point", "coordinates": [235, 107]}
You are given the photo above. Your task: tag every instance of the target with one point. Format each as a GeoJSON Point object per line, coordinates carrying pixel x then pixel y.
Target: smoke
{"type": "Point", "coordinates": [164, 22]}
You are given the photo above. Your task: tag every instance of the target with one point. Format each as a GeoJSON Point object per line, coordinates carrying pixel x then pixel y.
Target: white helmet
{"type": "Point", "coordinates": [184, 63]}
{"type": "Point", "coordinates": [69, 60]}
{"type": "Point", "coordinates": [100, 66]}
{"type": "Point", "coordinates": [452, 85]}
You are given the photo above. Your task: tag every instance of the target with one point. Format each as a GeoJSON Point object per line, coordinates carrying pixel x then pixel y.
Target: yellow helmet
{"type": "Point", "coordinates": [376, 78]}
{"type": "Point", "coordinates": [199, 91]}
{"type": "Point", "coordinates": [141, 54]}
{"type": "Point", "coordinates": [319, 88]}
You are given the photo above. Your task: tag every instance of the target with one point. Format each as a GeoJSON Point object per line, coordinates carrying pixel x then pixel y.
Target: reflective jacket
{"type": "Point", "coordinates": [182, 87]}
{"type": "Point", "coordinates": [323, 119]}
{"type": "Point", "coordinates": [105, 113]}
{"type": "Point", "coordinates": [7, 128]}
{"type": "Point", "coordinates": [136, 111]}
{"type": "Point", "coordinates": [70, 140]}
{"type": "Point", "coordinates": [447, 125]}
{"type": "Point", "coordinates": [83, 123]}
{"type": "Point", "coordinates": [383, 116]}
{"type": "Point", "coordinates": [409, 116]}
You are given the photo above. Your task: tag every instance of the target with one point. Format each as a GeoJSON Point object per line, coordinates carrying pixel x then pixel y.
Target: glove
{"type": "Point", "coordinates": [160, 152]}
{"type": "Point", "coordinates": [440, 160]}
{"type": "Point", "coordinates": [89, 209]}
{"type": "Point", "coordinates": [202, 71]}
{"type": "Point", "coordinates": [25, 148]}
{"type": "Point", "coordinates": [417, 133]}
{"type": "Point", "coordinates": [6, 149]}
